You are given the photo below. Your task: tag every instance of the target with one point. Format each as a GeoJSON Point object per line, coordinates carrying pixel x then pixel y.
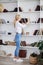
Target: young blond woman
{"type": "Point", "coordinates": [19, 29]}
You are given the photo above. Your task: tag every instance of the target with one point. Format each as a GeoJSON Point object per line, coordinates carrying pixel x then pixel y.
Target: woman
{"type": "Point", "coordinates": [19, 25]}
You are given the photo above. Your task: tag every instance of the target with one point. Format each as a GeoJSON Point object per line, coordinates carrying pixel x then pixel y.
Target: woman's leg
{"type": "Point", "coordinates": [18, 39]}
{"type": "Point", "coordinates": [17, 49]}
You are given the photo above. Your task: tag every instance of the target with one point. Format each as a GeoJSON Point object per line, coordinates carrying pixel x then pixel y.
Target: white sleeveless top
{"type": "Point", "coordinates": [19, 26]}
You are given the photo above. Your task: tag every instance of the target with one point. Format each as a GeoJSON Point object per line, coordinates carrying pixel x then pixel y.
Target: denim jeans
{"type": "Point", "coordinates": [18, 41]}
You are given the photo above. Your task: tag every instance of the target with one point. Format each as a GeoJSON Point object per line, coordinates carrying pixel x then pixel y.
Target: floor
{"type": "Point", "coordinates": [9, 61]}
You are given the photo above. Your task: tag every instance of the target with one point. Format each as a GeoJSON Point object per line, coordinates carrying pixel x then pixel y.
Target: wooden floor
{"type": "Point", "coordinates": [9, 61]}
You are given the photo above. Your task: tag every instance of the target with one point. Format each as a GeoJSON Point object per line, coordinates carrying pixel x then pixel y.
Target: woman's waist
{"type": "Point", "coordinates": [18, 33]}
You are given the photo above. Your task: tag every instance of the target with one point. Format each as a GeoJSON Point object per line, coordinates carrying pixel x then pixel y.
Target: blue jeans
{"type": "Point", "coordinates": [18, 41]}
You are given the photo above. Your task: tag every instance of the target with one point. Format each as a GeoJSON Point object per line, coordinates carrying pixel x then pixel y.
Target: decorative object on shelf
{"type": "Point", "coordinates": [22, 53]}
{"type": "Point", "coordinates": [20, 9]}
{"type": "Point", "coordinates": [38, 20]}
{"type": "Point", "coordinates": [36, 32]}
{"type": "Point", "coordinates": [5, 10]}
{"type": "Point", "coordinates": [10, 43]}
{"type": "Point", "coordinates": [2, 53]}
{"type": "Point", "coordinates": [37, 8]}
{"type": "Point", "coordinates": [9, 54]}
{"type": "Point", "coordinates": [30, 10]}
{"type": "Point", "coordinates": [23, 43]}
{"type": "Point", "coordinates": [41, 20]}
{"type": "Point", "coordinates": [34, 44]}
{"type": "Point", "coordinates": [27, 33]}
{"type": "Point", "coordinates": [16, 9]}
{"type": "Point", "coordinates": [24, 20]}
{"type": "Point", "coordinates": [1, 43]}
{"type": "Point", "coordinates": [9, 33]}
{"type": "Point", "coordinates": [33, 59]}
{"type": "Point", "coordinates": [2, 9]}
{"type": "Point", "coordinates": [2, 21]}
{"type": "Point", "coordinates": [33, 22]}
{"type": "Point", "coordinates": [7, 21]}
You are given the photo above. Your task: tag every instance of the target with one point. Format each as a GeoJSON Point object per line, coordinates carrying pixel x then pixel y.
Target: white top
{"type": "Point", "coordinates": [19, 26]}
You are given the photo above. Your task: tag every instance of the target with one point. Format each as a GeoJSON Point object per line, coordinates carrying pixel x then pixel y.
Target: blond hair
{"type": "Point", "coordinates": [17, 17]}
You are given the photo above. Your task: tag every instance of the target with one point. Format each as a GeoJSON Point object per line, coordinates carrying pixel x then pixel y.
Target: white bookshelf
{"type": "Point", "coordinates": [28, 11]}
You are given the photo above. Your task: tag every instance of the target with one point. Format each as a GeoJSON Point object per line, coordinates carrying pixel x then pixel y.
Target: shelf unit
{"type": "Point", "coordinates": [27, 11]}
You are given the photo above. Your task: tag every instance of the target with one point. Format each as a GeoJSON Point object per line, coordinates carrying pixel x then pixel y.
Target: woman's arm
{"type": "Point", "coordinates": [28, 21]}
{"type": "Point", "coordinates": [22, 31]}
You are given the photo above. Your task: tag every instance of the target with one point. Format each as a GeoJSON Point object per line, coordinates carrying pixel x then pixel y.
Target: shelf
{"type": "Point", "coordinates": [28, 47]}
{"type": "Point", "coordinates": [30, 35]}
{"type": "Point", "coordinates": [8, 12]}
{"type": "Point", "coordinates": [30, 12]}
{"type": "Point", "coordinates": [5, 23]}
{"type": "Point", "coordinates": [41, 35]}
{"type": "Point", "coordinates": [34, 23]}
{"type": "Point", "coordinates": [28, 0]}
{"type": "Point", "coordinates": [8, 1]}
{"type": "Point", "coordinates": [22, 35]}
{"type": "Point", "coordinates": [20, 12]}
{"type": "Point", "coordinates": [13, 24]}
{"type": "Point", "coordinates": [20, 46]}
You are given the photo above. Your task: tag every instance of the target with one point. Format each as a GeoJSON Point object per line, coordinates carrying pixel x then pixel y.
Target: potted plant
{"type": "Point", "coordinates": [33, 58]}
{"type": "Point", "coordinates": [40, 45]}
